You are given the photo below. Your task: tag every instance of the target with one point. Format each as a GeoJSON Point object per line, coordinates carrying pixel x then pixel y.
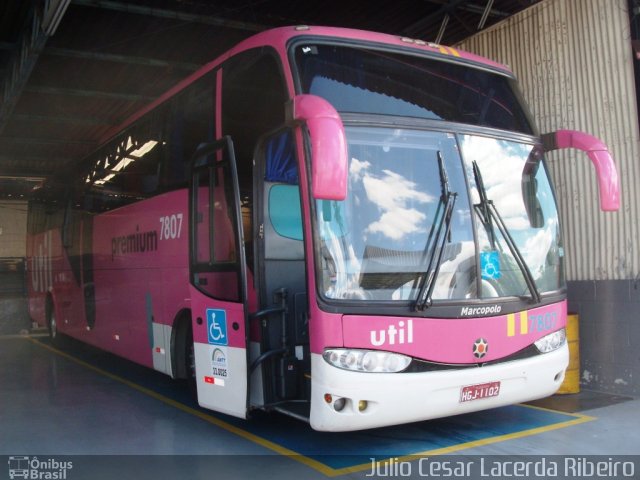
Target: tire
{"type": "Point", "coordinates": [184, 354]}
{"type": "Point", "coordinates": [190, 363]}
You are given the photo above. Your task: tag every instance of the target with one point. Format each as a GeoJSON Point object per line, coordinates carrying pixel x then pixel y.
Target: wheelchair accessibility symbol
{"type": "Point", "coordinates": [217, 327]}
{"type": "Point", "coordinates": [490, 265]}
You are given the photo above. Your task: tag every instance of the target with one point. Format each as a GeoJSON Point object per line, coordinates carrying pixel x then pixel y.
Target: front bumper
{"type": "Point", "coordinates": [395, 398]}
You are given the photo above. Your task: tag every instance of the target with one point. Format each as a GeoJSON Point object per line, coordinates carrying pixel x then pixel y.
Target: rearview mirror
{"type": "Point", "coordinates": [328, 145]}
{"type": "Point", "coordinates": [529, 185]}
{"type": "Point", "coordinates": [597, 151]}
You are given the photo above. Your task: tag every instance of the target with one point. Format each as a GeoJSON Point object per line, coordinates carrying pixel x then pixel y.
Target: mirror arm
{"type": "Point", "coordinates": [597, 151]}
{"type": "Point", "coordinates": [328, 144]}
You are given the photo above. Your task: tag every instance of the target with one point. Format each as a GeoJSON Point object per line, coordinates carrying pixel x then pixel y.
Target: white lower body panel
{"type": "Point", "coordinates": [395, 398]}
{"type": "Point", "coordinates": [161, 348]}
{"type": "Point", "coordinates": [221, 378]}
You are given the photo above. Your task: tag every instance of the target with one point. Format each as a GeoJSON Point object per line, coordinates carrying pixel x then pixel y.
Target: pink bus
{"type": "Point", "coordinates": [350, 228]}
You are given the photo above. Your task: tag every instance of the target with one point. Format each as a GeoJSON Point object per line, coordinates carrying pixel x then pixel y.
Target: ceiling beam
{"type": "Point", "coordinates": [417, 28]}
{"type": "Point", "coordinates": [128, 59]}
{"type": "Point", "coordinates": [462, 22]}
{"type": "Point", "coordinates": [53, 12]}
{"type": "Point", "coordinates": [478, 9]}
{"type": "Point", "coordinates": [443, 27]}
{"type": "Point", "coordinates": [23, 60]}
{"type": "Point", "coordinates": [42, 22]}
{"type": "Point", "coordinates": [170, 14]}
{"type": "Point", "coordinates": [14, 178]}
{"type": "Point", "coordinates": [30, 162]}
{"type": "Point", "coordinates": [21, 174]}
{"type": "Point", "coordinates": [473, 8]}
{"type": "Point", "coordinates": [47, 141]}
{"type": "Point", "coordinates": [485, 14]}
{"type": "Point", "coordinates": [89, 93]}
{"type": "Point", "coordinates": [78, 120]}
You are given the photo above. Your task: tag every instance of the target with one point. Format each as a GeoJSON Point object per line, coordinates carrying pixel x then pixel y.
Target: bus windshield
{"type": "Point", "coordinates": [358, 80]}
{"type": "Point", "coordinates": [378, 243]}
{"type": "Point", "coordinates": [401, 233]}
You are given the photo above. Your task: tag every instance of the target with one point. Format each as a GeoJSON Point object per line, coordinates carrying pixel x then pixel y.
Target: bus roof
{"type": "Point", "coordinates": [279, 38]}
{"type": "Point", "coordinates": [282, 35]}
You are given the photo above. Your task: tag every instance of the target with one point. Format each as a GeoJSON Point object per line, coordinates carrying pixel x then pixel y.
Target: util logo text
{"type": "Point", "coordinates": [399, 334]}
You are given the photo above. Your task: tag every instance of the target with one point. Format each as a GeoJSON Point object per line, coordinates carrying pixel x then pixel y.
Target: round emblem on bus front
{"type": "Point", "coordinates": [480, 348]}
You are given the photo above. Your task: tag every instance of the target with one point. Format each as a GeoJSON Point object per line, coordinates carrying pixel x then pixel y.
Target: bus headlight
{"type": "Point", "coordinates": [370, 361]}
{"type": "Point", "coordinates": [551, 342]}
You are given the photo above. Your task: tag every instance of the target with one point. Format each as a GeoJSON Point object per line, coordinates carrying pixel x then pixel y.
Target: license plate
{"type": "Point", "coordinates": [477, 392]}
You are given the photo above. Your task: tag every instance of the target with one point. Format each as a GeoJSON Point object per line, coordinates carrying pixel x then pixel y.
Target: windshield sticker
{"type": "Point", "coordinates": [490, 265]}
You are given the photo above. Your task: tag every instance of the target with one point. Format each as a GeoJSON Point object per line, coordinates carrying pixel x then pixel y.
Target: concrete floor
{"type": "Point", "coordinates": [111, 418]}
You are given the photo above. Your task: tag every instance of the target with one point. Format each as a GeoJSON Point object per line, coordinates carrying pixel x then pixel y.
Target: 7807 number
{"type": "Point", "coordinates": [544, 322]}
{"type": "Point", "coordinates": [171, 226]}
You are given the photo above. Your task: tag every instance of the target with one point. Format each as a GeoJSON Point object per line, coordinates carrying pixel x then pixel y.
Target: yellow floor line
{"type": "Point", "coordinates": [474, 443]}
{"type": "Point", "coordinates": [203, 416]}
{"type": "Point", "coordinates": [546, 409]}
{"type": "Point", "coordinates": [320, 467]}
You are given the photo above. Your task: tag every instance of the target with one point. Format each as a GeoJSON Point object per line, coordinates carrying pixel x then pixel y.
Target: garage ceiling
{"type": "Point", "coordinates": [72, 69]}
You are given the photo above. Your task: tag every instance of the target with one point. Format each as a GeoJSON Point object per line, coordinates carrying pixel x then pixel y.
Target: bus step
{"type": "Point", "coordinates": [297, 410]}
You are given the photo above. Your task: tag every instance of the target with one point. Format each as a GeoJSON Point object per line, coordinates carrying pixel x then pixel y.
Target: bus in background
{"type": "Point", "coordinates": [350, 228]}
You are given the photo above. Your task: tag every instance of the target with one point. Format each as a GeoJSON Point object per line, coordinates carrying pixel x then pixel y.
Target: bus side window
{"type": "Point", "coordinates": [280, 159]}
{"type": "Point", "coordinates": [252, 104]}
{"type": "Point", "coordinates": [127, 169]}
{"type": "Point", "coordinates": [285, 214]}
{"type": "Point", "coordinates": [216, 262]}
{"type": "Point", "coordinates": [282, 195]}
{"type": "Point", "coordinates": [190, 122]}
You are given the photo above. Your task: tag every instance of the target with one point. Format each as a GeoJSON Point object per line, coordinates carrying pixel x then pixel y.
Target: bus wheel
{"type": "Point", "coordinates": [183, 353]}
{"type": "Point", "coordinates": [190, 363]}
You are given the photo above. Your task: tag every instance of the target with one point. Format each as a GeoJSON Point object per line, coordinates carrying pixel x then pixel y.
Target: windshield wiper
{"type": "Point", "coordinates": [443, 229]}
{"type": "Point", "coordinates": [489, 214]}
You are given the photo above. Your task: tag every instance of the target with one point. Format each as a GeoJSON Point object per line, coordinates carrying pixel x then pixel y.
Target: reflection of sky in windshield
{"type": "Point", "coordinates": [502, 165]}
{"type": "Point", "coordinates": [352, 98]}
{"type": "Point", "coordinates": [377, 242]}
{"type": "Point", "coordinates": [395, 197]}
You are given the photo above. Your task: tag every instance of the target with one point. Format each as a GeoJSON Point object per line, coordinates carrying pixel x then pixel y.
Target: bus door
{"type": "Point", "coordinates": [77, 239]}
{"type": "Point", "coordinates": [281, 276]}
{"type": "Point", "coordinates": [218, 281]}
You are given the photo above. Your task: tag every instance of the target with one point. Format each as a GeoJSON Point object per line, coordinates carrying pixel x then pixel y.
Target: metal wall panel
{"type": "Point", "coordinates": [575, 66]}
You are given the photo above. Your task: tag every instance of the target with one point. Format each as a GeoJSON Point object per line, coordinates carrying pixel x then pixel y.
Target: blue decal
{"type": "Point", "coordinates": [217, 326]}
{"type": "Point", "coordinates": [544, 322]}
{"type": "Point", "coordinates": [490, 265]}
